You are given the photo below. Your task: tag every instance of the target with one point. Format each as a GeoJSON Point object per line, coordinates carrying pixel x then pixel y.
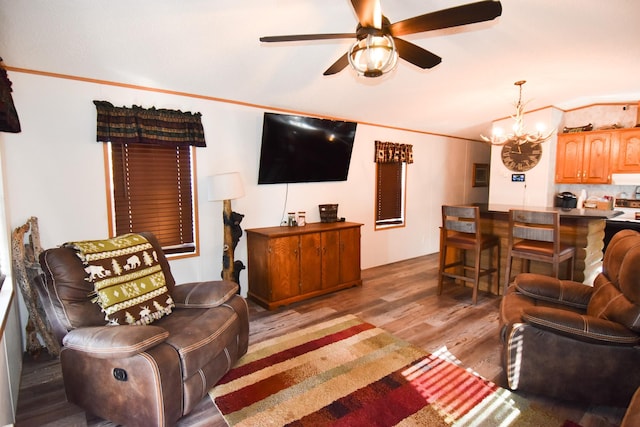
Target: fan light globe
{"type": "Point", "coordinates": [373, 55]}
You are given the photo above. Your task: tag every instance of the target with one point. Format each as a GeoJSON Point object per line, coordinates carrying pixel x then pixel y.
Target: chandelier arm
{"type": "Point", "coordinates": [519, 136]}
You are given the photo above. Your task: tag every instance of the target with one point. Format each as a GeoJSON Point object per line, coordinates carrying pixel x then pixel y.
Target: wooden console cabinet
{"type": "Point", "coordinates": [289, 264]}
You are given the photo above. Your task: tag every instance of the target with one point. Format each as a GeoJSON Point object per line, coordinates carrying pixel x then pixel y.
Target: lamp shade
{"type": "Point", "coordinates": [225, 186]}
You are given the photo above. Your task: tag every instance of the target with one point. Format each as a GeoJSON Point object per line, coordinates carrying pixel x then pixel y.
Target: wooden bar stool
{"type": "Point", "coordinates": [535, 236]}
{"type": "Point", "coordinates": [461, 230]}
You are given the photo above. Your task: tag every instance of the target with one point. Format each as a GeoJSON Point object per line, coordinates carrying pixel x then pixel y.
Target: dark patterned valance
{"type": "Point", "coordinates": [390, 152]}
{"type": "Point", "coordinates": [122, 125]}
{"type": "Point", "coordinates": [9, 121]}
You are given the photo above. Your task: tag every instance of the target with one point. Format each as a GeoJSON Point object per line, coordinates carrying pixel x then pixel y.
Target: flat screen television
{"type": "Point", "coordinates": [304, 149]}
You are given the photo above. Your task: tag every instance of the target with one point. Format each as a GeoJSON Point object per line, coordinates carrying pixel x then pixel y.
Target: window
{"type": "Point", "coordinates": [390, 194]}
{"type": "Point", "coordinates": [391, 182]}
{"type": "Point", "coordinates": [153, 190]}
{"type": "Point", "coordinates": [151, 167]}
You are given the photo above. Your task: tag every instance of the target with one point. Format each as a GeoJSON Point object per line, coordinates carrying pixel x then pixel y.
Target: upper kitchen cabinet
{"type": "Point", "coordinates": [625, 151]}
{"type": "Point", "coordinates": [583, 158]}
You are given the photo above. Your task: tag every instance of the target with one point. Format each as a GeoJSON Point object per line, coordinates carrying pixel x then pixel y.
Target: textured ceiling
{"type": "Point", "coordinates": [571, 52]}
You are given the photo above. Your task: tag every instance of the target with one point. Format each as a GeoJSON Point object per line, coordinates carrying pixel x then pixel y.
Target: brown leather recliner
{"type": "Point", "coordinates": [141, 375]}
{"type": "Point", "coordinates": [572, 341]}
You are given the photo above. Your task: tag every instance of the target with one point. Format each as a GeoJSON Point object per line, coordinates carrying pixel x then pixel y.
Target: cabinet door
{"type": "Point", "coordinates": [350, 254]}
{"type": "Point", "coordinates": [310, 263]}
{"type": "Point", "coordinates": [330, 259]}
{"type": "Point", "coordinates": [569, 158]}
{"type": "Point", "coordinates": [284, 267]}
{"type": "Point", "coordinates": [595, 160]}
{"type": "Point", "coordinates": [626, 157]}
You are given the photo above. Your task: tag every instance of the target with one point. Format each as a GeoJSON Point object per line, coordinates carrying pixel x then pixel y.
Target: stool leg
{"type": "Point", "coordinates": [556, 268]}
{"type": "Point", "coordinates": [443, 260]}
{"type": "Point", "coordinates": [496, 260]}
{"type": "Point", "coordinates": [476, 274]}
{"type": "Point", "coordinates": [507, 273]}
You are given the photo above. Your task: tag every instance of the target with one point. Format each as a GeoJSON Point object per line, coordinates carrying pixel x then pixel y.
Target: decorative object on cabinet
{"type": "Point", "coordinates": [584, 128]}
{"type": "Point", "coordinates": [328, 213]}
{"type": "Point", "coordinates": [289, 264]}
{"type": "Point", "coordinates": [609, 126]}
{"type": "Point", "coordinates": [519, 136]}
{"type": "Point", "coordinates": [480, 175]}
{"type": "Point", "coordinates": [225, 187]}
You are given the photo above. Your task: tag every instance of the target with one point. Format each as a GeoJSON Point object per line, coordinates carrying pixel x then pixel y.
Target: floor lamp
{"type": "Point", "coordinates": [225, 187]}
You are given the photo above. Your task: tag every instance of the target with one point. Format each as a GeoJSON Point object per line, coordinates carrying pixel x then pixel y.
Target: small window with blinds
{"type": "Point", "coordinates": [390, 195]}
{"type": "Point", "coordinates": [153, 190]}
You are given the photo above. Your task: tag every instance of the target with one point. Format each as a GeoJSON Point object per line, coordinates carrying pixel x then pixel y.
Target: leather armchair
{"type": "Point", "coordinates": [572, 341]}
{"type": "Point", "coordinates": [141, 375]}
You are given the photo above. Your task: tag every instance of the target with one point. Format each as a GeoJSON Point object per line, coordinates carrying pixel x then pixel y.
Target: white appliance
{"type": "Point", "coordinates": [630, 218]}
{"type": "Point", "coordinates": [630, 209]}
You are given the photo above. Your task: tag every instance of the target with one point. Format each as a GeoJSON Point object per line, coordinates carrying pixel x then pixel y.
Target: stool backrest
{"type": "Point", "coordinates": [534, 225]}
{"type": "Point", "coordinates": [463, 219]}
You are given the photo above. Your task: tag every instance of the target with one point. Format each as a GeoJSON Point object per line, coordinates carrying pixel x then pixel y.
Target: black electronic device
{"type": "Point", "coordinates": [517, 177]}
{"type": "Point", "coordinates": [304, 149]}
{"type": "Point", "coordinates": [566, 200]}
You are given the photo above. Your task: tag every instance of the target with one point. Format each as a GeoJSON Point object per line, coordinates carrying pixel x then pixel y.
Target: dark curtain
{"type": "Point", "coordinates": [9, 121]}
{"type": "Point", "coordinates": [391, 152]}
{"type": "Point", "coordinates": [122, 125]}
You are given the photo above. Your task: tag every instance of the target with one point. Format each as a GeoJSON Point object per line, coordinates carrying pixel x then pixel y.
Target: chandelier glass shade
{"type": "Point", "coordinates": [518, 136]}
{"type": "Point", "coordinates": [373, 55]}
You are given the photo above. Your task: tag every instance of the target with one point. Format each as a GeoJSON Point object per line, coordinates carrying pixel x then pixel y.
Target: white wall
{"type": "Point", "coordinates": [538, 190]}
{"type": "Point", "coordinates": [55, 171]}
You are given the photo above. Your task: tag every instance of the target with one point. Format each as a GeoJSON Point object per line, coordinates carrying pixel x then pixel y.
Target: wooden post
{"type": "Point", "coordinates": [227, 249]}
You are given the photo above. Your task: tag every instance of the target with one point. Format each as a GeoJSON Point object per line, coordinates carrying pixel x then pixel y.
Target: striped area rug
{"type": "Point", "coordinates": [346, 372]}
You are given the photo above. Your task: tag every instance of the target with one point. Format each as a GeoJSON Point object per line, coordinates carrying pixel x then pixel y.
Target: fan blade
{"type": "Point", "coordinates": [365, 11]}
{"type": "Point", "coordinates": [300, 37]}
{"type": "Point", "coordinates": [415, 54]}
{"type": "Point", "coordinates": [338, 66]}
{"type": "Point", "coordinates": [446, 18]}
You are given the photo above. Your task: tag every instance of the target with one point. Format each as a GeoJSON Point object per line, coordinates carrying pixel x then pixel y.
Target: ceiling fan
{"type": "Point", "coordinates": [374, 31]}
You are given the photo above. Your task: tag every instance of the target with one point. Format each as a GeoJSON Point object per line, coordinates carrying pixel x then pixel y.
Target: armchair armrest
{"type": "Point", "coordinates": [550, 289]}
{"type": "Point", "coordinates": [203, 294]}
{"type": "Point", "coordinates": [580, 326]}
{"type": "Point", "coordinates": [108, 342]}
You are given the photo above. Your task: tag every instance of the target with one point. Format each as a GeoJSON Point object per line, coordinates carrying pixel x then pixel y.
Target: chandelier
{"type": "Point", "coordinates": [519, 136]}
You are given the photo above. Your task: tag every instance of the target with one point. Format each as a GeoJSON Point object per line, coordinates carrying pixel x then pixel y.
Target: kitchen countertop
{"type": "Point", "coordinates": [564, 213]}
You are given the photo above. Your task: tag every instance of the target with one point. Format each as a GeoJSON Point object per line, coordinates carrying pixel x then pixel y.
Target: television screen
{"type": "Point", "coordinates": [304, 149]}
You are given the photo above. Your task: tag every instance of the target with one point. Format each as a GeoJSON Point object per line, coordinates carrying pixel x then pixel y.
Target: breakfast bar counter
{"type": "Point", "coordinates": [582, 228]}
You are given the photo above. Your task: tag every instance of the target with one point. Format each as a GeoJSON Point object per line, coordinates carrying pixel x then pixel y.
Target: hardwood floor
{"type": "Point", "coordinates": [400, 298]}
